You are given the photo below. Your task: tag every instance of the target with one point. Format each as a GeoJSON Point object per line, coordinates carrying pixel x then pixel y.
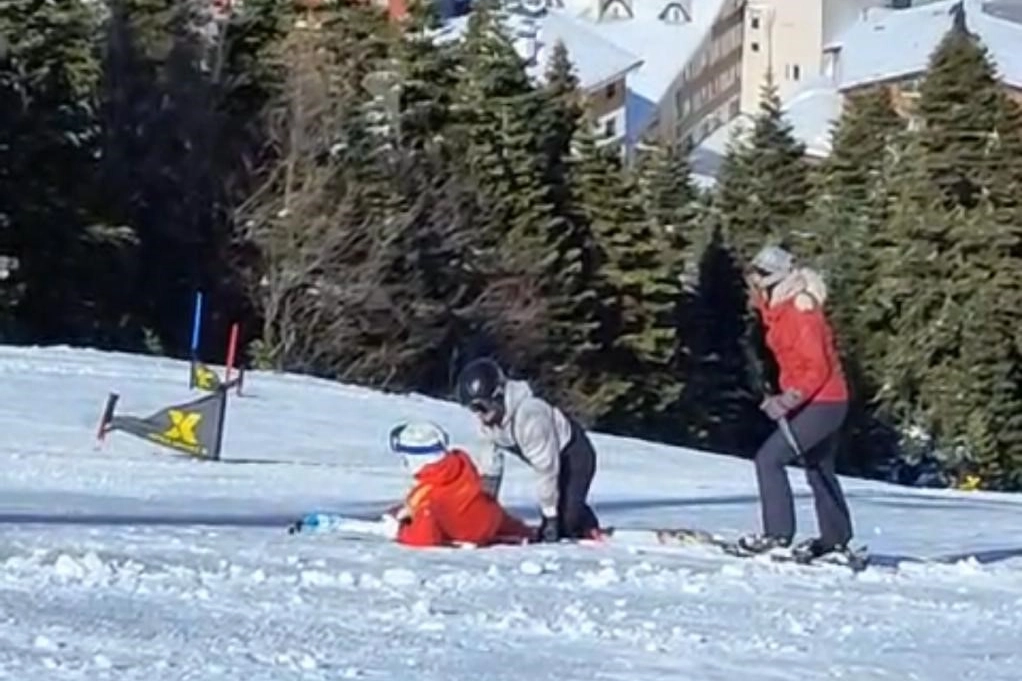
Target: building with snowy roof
{"type": "Point", "coordinates": [604, 69]}
{"type": "Point", "coordinates": [679, 60]}
{"type": "Point", "coordinates": [885, 45]}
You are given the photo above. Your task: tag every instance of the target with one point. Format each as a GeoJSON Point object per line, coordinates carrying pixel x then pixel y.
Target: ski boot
{"type": "Point", "coordinates": [815, 550]}
{"type": "Point", "coordinates": [753, 544]}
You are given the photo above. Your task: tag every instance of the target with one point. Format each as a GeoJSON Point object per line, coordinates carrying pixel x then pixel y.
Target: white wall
{"type": "Point", "coordinates": [838, 15]}
{"type": "Point", "coordinates": [619, 122]}
{"type": "Point", "coordinates": [784, 34]}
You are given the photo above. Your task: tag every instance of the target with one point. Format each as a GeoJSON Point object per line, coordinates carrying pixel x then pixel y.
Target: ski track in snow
{"type": "Point", "coordinates": [132, 563]}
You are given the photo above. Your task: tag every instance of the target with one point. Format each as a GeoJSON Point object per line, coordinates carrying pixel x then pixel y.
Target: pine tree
{"type": "Point", "coordinates": [1004, 183]}
{"type": "Point", "coordinates": [764, 187]}
{"type": "Point", "coordinates": [668, 193]}
{"type": "Point", "coordinates": [501, 153]}
{"type": "Point", "coordinates": [427, 71]}
{"type": "Point", "coordinates": [720, 399]}
{"type": "Point", "coordinates": [849, 218]}
{"type": "Point", "coordinates": [958, 105]}
{"type": "Point", "coordinates": [639, 291]}
{"type": "Point", "coordinates": [906, 311]}
{"type": "Point", "coordinates": [563, 113]}
{"type": "Point", "coordinates": [72, 263]}
{"type": "Point", "coordinates": [979, 396]}
{"type": "Point", "coordinates": [860, 143]}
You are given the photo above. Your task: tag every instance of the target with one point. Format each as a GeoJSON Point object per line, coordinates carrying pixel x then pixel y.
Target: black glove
{"type": "Point", "coordinates": [548, 530]}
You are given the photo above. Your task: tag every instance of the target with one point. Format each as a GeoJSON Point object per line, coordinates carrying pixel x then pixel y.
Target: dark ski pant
{"type": "Point", "coordinates": [577, 468]}
{"type": "Point", "coordinates": [816, 431]}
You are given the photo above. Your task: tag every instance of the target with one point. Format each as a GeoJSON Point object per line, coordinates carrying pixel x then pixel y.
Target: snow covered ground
{"type": "Point", "coordinates": [130, 562]}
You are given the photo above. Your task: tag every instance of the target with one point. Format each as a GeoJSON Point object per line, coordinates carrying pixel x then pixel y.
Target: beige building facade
{"type": "Point", "coordinates": [792, 40]}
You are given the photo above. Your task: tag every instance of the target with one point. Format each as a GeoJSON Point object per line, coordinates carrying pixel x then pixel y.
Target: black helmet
{"type": "Point", "coordinates": [481, 385]}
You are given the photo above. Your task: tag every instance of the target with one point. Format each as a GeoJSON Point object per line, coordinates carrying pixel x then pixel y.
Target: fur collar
{"type": "Point", "coordinates": [804, 285]}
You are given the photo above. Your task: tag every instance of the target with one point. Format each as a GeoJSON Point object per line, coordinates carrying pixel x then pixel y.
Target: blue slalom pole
{"type": "Point", "coordinates": [196, 328]}
{"type": "Point", "coordinates": [196, 324]}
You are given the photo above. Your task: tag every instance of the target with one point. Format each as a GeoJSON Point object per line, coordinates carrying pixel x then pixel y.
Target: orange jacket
{"type": "Point", "coordinates": [448, 504]}
{"type": "Point", "coordinates": [801, 340]}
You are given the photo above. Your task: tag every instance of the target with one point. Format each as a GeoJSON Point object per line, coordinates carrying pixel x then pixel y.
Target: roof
{"type": "Point", "coordinates": [890, 44]}
{"type": "Point", "coordinates": [707, 157]}
{"type": "Point", "coordinates": [596, 60]}
{"type": "Point", "coordinates": [1002, 34]}
{"type": "Point", "coordinates": [812, 113]}
{"type": "Point", "coordinates": [665, 48]}
{"type": "Point", "coordinates": [1005, 9]}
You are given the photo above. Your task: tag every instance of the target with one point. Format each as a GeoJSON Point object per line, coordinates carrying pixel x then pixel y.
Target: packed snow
{"type": "Point", "coordinates": [129, 561]}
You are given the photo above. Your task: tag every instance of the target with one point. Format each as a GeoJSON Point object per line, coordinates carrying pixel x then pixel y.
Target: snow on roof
{"type": "Point", "coordinates": [1005, 9]}
{"type": "Point", "coordinates": [707, 157]}
{"type": "Point", "coordinates": [664, 47]}
{"type": "Point", "coordinates": [596, 60]}
{"type": "Point", "coordinates": [891, 43]}
{"type": "Point", "coordinates": [895, 43]}
{"type": "Point", "coordinates": [1003, 37]}
{"type": "Point", "coordinates": [812, 112]}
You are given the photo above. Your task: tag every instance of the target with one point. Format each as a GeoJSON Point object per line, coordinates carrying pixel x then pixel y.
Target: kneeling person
{"type": "Point", "coordinates": [447, 503]}
{"type": "Point", "coordinates": [512, 419]}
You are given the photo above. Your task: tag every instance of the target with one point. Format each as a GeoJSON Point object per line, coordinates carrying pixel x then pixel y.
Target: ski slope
{"type": "Point", "coordinates": [132, 562]}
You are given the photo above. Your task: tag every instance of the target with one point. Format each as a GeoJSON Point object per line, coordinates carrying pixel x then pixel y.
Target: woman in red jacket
{"type": "Point", "coordinates": [813, 396]}
{"type": "Point", "coordinates": [447, 504]}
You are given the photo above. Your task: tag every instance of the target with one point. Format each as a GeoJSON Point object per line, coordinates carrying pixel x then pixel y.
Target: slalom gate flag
{"type": "Point", "coordinates": [204, 378]}
{"type": "Point", "coordinates": [195, 428]}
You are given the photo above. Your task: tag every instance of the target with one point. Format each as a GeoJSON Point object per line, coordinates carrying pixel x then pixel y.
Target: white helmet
{"type": "Point", "coordinates": [419, 443]}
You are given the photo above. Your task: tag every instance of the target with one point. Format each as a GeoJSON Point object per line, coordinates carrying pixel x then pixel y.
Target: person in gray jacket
{"type": "Point", "coordinates": [514, 420]}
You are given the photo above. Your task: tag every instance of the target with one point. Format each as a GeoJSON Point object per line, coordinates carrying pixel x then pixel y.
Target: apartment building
{"type": "Point", "coordinates": [688, 83]}
{"type": "Point", "coordinates": [889, 45]}
{"type": "Point", "coordinates": [603, 69]}
{"type": "Point", "coordinates": [790, 40]}
{"type": "Point", "coordinates": [893, 47]}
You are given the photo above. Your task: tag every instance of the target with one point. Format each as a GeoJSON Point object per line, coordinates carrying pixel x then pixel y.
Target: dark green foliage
{"type": "Point", "coordinates": [638, 289]}
{"type": "Point", "coordinates": [721, 394]}
{"type": "Point", "coordinates": [850, 231]}
{"type": "Point", "coordinates": [958, 105]}
{"type": "Point", "coordinates": [764, 186]}
{"type": "Point", "coordinates": [70, 261]}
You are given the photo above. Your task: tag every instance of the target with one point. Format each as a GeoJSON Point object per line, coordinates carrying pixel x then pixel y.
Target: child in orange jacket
{"type": "Point", "coordinates": [447, 503]}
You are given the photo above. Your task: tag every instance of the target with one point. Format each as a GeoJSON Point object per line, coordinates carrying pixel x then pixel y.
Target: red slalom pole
{"type": "Point", "coordinates": [232, 346]}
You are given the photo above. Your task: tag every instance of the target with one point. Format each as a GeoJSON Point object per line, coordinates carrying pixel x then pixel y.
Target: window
{"type": "Point", "coordinates": [754, 23]}
{"type": "Point", "coordinates": [754, 46]}
{"type": "Point", "coordinates": [796, 72]}
{"type": "Point", "coordinates": [611, 90]}
{"type": "Point", "coordinates": [674, 13]}
{"type": "Point", "coordinates": [610, 128]}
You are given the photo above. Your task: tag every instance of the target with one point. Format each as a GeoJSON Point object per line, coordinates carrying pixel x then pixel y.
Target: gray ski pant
{"type": "Point", "coordinates": [577, 468]}
{"type": "Point", "coordinates": [816, 431]}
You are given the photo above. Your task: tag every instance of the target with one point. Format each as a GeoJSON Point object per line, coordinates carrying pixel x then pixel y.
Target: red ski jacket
{"type": "Point", "coordinates": [801, 340]}
{"type": "Point", "coordinates": [448, 504]}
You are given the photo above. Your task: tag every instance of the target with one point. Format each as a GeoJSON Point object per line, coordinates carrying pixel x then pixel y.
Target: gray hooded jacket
{"type": "Point", "coordinates": [536, 433]}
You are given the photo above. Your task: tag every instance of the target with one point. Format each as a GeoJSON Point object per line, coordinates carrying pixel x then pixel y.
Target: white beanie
{"type": "Point", "coordinates": [775, 261]}
{"type": "Point", "coordinates": [419, 443]}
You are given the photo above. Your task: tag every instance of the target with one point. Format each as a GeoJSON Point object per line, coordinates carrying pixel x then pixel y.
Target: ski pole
{"type": "Point", "coordinates": [785, 425]}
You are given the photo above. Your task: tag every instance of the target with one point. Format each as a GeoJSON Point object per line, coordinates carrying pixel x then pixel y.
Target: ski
{"type": "Point", "coordinates": [855, 559]}
{"type": "Point", "coordinates": [320, 522]}
{"type": "Point", "coordinates": [633, 538]}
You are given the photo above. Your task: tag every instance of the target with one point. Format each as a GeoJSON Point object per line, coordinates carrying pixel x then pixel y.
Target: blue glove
{"type": "Point", "coordinates": [779, 406]}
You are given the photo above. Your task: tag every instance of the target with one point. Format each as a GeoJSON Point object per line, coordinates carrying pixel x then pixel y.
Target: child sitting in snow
{"type": "Point", "coordinates": [447, 503]}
